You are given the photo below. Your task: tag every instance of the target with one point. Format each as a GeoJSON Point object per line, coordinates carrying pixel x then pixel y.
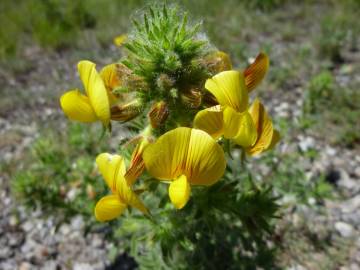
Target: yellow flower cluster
{"type": "Point", "coordinates": [184, 156]}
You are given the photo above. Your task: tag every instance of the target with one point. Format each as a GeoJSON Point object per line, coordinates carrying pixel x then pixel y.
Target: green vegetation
{"type": "Point", "coordinates": [333, 109]}
{"type": "Point", "coordinates": [60, 174]}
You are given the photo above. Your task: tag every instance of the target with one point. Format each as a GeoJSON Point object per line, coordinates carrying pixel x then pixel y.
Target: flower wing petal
{"type": "Point", "coordinates": [77, 107]}
{"type": "Point", "coordinates": [211, 121]}
{"type": "Point", "coordinates": [229, 89]}
{"type": "Point", "coordinates": [108, 208]}
{"type": "Point", "coordinates": [205, 161]}
{"type": "Point", "coordinates": [263, 126]}
{"type": "Point", "coordinates": [255, 73]}
{"type": "Point", "coordinates": [110, 166]}
{"type": "Point", "coordinates": [179, 191]}
{"type": "Point", "coordinates": [165, 159]}
{"type": "Point", "coordinates": [96, 91]}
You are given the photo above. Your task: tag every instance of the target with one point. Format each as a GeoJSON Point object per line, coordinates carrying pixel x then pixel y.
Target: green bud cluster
{"type": "Point", "coordinates": [167, 53]}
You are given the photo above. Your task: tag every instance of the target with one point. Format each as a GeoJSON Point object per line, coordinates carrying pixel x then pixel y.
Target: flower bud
{"type": "Point", "coordinates": [158, 114]}
{"type": "Point", "coordinates": [192, 98]}
{"type": "Point", "coordinates": [165, 82]}
{"type": "Point", "coordinates": [137, 164]}
{"type": "Point", "coordinates": [126, 112]}
{"type": "Point", "coordinates": [218, 62]}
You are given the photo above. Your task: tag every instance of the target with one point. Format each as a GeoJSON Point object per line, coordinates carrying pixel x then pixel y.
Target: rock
{"type": "Point", "coordinates": [350, 206]}
{"type": "Point", "coordinates": [15, 239]}
{"type": "Point", "coordinates": [354, 266]}
{"type": "Point", "coordinates": [330, 151]}
{"type": "Point", "coordinates": [65, 229]}
{"type": "Point", "coordinates": [28, 226]}
{"type": "Point", "coordinates": [97, 241]}
{"type": "Point", "coordinates": [346, 182]}
{"type": "Point", "coordinates": [26, 266]}
{"type": "Point", "coordinates": [8, 265]}
{"type": "Point", "coordinates": [77, 223]}
{"type": "Point", "coordinates": [297, 267]}
{"type": "Point", "coordinates": [50, 265]}
{"type": "Point", "coordinates": [344, 229]}
{"type": "Point", "coordinates": [306, 143]}
{"type": "Point", "coordinates": [357, 172]}
{"type": "Point", "coordinates": [6, 252]}
{"type": "Point", "coordinates": [82, 266]}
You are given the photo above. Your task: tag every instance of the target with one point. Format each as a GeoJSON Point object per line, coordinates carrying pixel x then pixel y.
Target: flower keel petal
{"type": "Point", "coordinates": [179, 192]}
{"type": "Point", "coordinates": [108, 208]}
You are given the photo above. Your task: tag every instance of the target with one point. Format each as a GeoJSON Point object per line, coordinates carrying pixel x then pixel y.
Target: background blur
{"type": "Point", "coordinates": [48, 182]}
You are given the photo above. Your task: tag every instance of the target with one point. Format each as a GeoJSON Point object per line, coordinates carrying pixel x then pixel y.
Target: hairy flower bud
{"type": "Point", "coordinates": [165, 82]}
{"type": "Point", "coordinates": [158, 114]}
{"type": "Point", "coordinates": [126, 112]}
{"type": "Point", "coordinates": [137, 164]}
{"type": "Point", "coordinates": [192, 98]}
{"type": "Point", "coordinates": [217, 62]}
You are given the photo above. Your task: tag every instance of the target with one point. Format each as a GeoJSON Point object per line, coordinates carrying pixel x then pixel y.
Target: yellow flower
{"type": "Point", "coordinates": [112, 168]}
{"type": "Point", "coordinates": [119, 40]}
{"type": "Point", "coordinates": [185, 157]}
{"type": "Point", "coordinates": [231, 117]}
{"type": "Point", "coordinates": [95, 104]}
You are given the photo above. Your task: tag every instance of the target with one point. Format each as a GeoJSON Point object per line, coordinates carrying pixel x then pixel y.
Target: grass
{"type": "Point", "coordinates": [333, 109]}
{"type": "Point", "coordinates": [61, 176]}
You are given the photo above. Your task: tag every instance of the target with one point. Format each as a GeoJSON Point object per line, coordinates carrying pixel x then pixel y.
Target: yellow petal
{"type": "Point", "coordinates": [108, 208]}
{"type": "Point", "coordinates": [96, 91]}
{"type": "Point", "coordinates": [239, 127]}
{"type": "Point", "coordinates": [120, 39]}
{"type": "Point", "coordinates": [179, 192]}
{"type": "Point", "coordinates": [256, 71]}
{"type": "Point", "coordinates": [211, 121]}
{"type": "Point", "coordinates": [110, 166]}
{"type": "Point", "coordinates": [232, 121]}
{"type": "Point", "coordinates": [77, 107]}
{"type": "Point", "coordinates": [205, 162]}
{"type": "Point", "coordinates": [109, 75]}
{"type": "Point", "coordinates": [229, 89]}
{"type": "Point", "coordinates": [165, 159]}
{"type": "Point", "coordinates": [187, 151]}
{"type": "Point", "coordinates": [128, 196]}
{"type": "Point", "coordinates": [263, 126]}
